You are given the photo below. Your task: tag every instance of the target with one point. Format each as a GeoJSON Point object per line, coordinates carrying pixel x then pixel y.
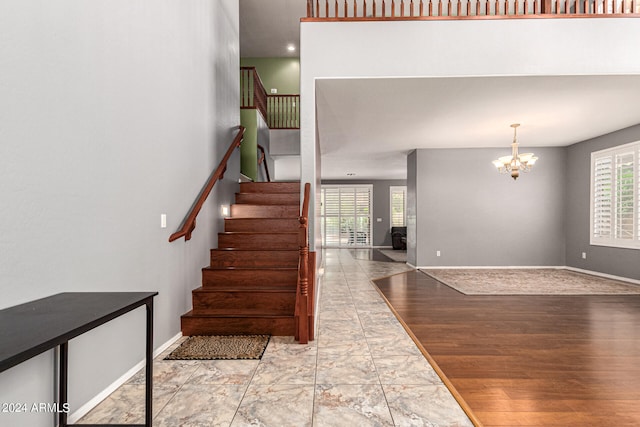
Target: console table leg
{"type": "Point", "coordinates": [63, 376]}
{"type": "Point", "coordinates": [149, 368]}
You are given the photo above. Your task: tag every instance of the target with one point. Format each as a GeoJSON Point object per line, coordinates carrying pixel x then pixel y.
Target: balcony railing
{"type": "Point", "coordinates": [279, 111]}
{"type": "Point", "coordinates": [467, 9]}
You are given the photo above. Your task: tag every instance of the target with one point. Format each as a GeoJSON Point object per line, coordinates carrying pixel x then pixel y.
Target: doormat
{"type": "Point", "coordinates": [217, 347]}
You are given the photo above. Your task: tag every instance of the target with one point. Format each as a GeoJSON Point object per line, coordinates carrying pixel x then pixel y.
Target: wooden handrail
{"type": "Point", "coordinates": [189, 223]}
{"type": "Point", "coordinates": [467, 9]}
{"type": "Point", "coordinates": [263, 160]}
{"type": "Point", "coordinates": [303, 302]}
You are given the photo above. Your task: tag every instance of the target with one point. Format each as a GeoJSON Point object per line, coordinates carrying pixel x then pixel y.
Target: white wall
{"type": "Point", "coordinates": [112, 112]}
{"type": "Point", "coordinates": [456, 48]}
{"type": "Point", "coordinates": [285, 150]}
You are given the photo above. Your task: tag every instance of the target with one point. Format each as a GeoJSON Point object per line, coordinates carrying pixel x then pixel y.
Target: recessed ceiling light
{"type": "Point", "coordinates": [291, 48]}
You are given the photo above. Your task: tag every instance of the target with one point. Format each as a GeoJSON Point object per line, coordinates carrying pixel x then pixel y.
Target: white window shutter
{"type": "Point", "coordinates": [602, 197]}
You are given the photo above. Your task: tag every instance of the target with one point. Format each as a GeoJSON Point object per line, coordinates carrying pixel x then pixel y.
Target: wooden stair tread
{"type": "Point", "coordinates": [267, 207]}
{"type": "Point", "coordinates": [254, 250]}
{"type": "Point", "coordinates": [246, 289]}
{"type": "Point", "coordinates": [241, 210]}
{"type": "Point", "coordinates": [257, 232]}
{"type": "Point", "coordinates": [260, 218]}
{"type": "Point", "coordinates": [258, 205]}
{"type": "Point", "coordinates": [254, 257]}
{"type": "Point", "coordinates": [228, 315]}
{"type": "Point", "coordinates": [250, 268]}
{"type": "Point", "coordinates": [270, 187]}
{"type": "Point", "coordinates": [266, 198]}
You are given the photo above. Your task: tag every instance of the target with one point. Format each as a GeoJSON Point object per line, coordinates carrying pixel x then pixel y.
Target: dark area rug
{"type": "Point", "coordinates": [216, 347]}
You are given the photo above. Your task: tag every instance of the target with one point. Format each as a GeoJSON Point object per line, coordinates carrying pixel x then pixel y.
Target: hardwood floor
{"type": "Point", "coordinates": [529, 360]}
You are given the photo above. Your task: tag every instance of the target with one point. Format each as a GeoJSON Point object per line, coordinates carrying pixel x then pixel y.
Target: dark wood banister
{"type": "Point", "coordinates": [303, 332]}
{"type": "Point", "coordinates": [189, 223]}
{"type": "Point", "coordinates": [263, 159]}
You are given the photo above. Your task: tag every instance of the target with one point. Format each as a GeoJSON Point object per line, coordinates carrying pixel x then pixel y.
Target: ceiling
{"type": "Point", "coordinates": [267, 27]}
{"type": "Point", "coordinates": [367, 126]}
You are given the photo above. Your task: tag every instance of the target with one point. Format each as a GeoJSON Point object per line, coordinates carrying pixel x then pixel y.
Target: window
{"type": "Point", "coordinates": [398, 203]}
{"type": "Point", "coordinates": [615, 196]}
{"type": "Point", "coordinates": [345, 215]}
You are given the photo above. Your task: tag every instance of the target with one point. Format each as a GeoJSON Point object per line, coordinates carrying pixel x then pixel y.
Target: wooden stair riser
{"type": "Point", "coordinates": [292, 199]}
{"type": "Point", "coordinates": [264, 211]}
{"type": "Point", "coordinates": [258, 240]}
{"type": "Point", "coordinates": [253, 278]}
{"type": "Point", "coordinates": [270, 187]}
{"type": "Point", "coordinates": [275, 303]}
{"type": "Point", "coordinates": [261, 224]}
{"type": "Point", "coordinates": [254, 258]}
{"type": "Point", "coordinates": [229, 325]}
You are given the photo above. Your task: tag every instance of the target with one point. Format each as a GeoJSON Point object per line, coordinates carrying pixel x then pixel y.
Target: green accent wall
{"type": "Point", "coordinates": [279, 73]}
{"type": "Point", "coordinates": [249, 146]}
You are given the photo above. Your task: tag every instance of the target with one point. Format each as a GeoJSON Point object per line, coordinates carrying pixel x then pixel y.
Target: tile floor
{"type": "Point", "coordinates": [362, 370]}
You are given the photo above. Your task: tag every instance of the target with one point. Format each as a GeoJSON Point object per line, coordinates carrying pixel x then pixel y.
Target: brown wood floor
{"type": "Point", "coordinates": [529, 360]}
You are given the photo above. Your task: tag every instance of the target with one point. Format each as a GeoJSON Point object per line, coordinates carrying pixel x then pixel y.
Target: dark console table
{"type": "Point", "coordinates": [32, 328]}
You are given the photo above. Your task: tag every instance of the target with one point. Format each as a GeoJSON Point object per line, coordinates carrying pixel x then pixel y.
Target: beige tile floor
{"type": "Point", "coordinates": [362, 370]}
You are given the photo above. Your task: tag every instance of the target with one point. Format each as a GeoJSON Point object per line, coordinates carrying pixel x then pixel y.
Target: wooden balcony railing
{"type": "Point", "coordinates": [279, 111]}
{"type": "Point", "coordinates": [283, 111]}
{"type": "Point", "coordinates": [466, 9]}
{"type": "Point", "coordinates": [306, 267]}
{"type": "Point", "coordinates": [189, 223]}
{"type": "Point", "coordinates": [252, 92]}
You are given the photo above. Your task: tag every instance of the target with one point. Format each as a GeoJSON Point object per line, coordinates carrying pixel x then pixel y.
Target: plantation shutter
{"type": "Point", "coordinates": [398, 206]}
{"type": "Point", "coordinates": [363, 216]}
{"type": "Point", "coordinates": [602, 197]}
{"type": "Point", "coordinates": [346, 215]}
{"type": "Point", "coordinates": [331, 217]}
{"type": "Point", "coordinates": [624, 196]}
{"type": "Point", "coordinates": [615, 196]}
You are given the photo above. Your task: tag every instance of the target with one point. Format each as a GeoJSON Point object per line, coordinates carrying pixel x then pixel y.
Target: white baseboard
{"type": "Point", "coordinates": [244, 178]}
{"type": "Point", "coordinates": [383, 247]}
{"type": "Point", "coordinates": [84, 409]}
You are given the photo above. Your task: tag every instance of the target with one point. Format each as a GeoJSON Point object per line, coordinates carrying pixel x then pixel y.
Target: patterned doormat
{"type": "Point", "coordinates": [546, 281]}
{"type": "Point", "coordinates": [217, 347]}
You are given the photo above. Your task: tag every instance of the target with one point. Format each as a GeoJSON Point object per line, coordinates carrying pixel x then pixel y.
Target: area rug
{"type": "Point", "coordinates": [397, 256]}
{"type": "Point", "coordinates": [217, 347]}
{"type": "Point", "coordinates": [529, 282]}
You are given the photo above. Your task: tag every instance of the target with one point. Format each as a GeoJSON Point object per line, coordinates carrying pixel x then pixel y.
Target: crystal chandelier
{"type": "Point", "coordinates": [515, 163]}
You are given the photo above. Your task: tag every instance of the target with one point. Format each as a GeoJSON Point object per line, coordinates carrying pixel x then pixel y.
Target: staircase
{"type": "Point", "coordinates": [250, 285]}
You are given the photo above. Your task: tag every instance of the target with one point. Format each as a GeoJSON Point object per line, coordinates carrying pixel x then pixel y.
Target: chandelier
{"type": "Point", "coordinates": [515, 163]}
